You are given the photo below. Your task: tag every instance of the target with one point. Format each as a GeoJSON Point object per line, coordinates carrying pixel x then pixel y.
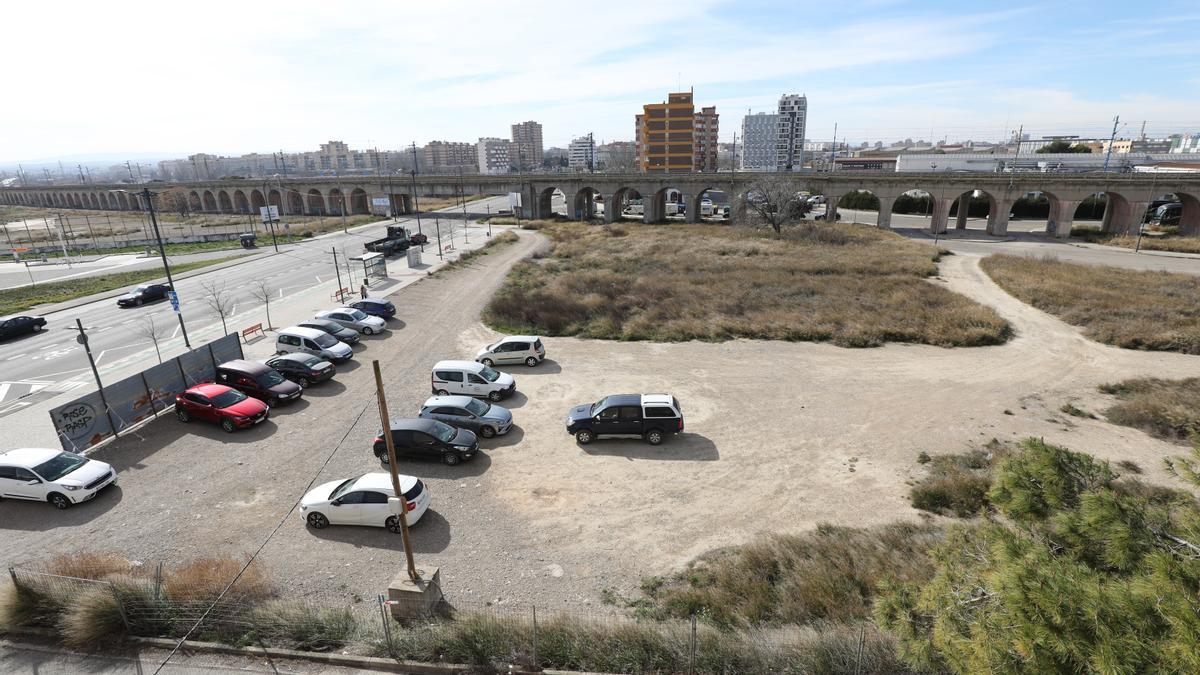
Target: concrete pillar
{"type": "Point", "coordinates": [964, 207]}
{"type": "Point", "coordinates": [1062, 215]}
{"type": "Point", "coordinates": [1107, 218]}
{"type": "Point", "coordinates": [692, 204]}
{"type": "Point", "coordinates": [941, 215]}
{"type": "Point", "coordinates": [830, 210]}
{"type": "Point", "coordinates": [1129, 221]}
{"type": "Point", "coordinates": [884, 219]}
{"type": "Point", "coordinates": [612, 210]}
{"type": "Point", "coordinates": [1189, 220]}
{"type": "Point", "coordinates": [997, 223]}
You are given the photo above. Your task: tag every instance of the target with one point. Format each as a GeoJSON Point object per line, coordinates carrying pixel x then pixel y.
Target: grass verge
{"type": "Point", "coordinates": [1173, 243]}
{"type": "Point", "coordinates": [14, 300]}
{"type": "Point", "coordinates": [1168, 409]}
{"type": "Point", "coordinates": [1127, 308]}
{"type": "Point", "coordinates": [854, 286]}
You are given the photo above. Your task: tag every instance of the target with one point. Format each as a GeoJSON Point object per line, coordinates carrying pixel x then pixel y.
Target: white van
{"type": "Point", "coordinates": [312, 341]}
{"type": "Point", "coordinates": [470, 378]}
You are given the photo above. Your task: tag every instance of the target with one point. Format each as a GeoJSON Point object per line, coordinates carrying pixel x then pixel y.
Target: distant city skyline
{"type": "Point", "coordinates": [226, 78]}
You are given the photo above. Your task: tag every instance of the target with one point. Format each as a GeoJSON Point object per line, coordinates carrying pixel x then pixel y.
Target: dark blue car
{"type": "Point", "coordinates": [383, 309]}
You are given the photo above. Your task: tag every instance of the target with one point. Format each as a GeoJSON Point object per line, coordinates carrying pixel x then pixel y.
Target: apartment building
{"type": "Point", "coordinates": [493, 155]}
{"type": "Point", "coordinates": [793, 118]}
{"type": "Point", "coordinates": [527, 145]}
{"type": "Point", "coordinates": [448, 155]}
{"type": "Point", "coordinates": [672, 137]}
{"type": "Point", "coordinates": [581, 154]}
{"type": "Point", "coordinates": [760, 135]}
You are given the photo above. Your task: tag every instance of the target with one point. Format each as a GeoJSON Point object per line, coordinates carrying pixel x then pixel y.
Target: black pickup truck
{"type": "Point", "coordinates": [398, 240]}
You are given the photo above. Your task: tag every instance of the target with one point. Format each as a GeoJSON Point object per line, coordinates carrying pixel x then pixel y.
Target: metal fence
{"type": "Point", "coordinates": [99, 415]}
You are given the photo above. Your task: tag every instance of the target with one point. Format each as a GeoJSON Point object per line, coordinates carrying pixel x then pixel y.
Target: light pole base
{"type": "Point", "coordinates": [410, 599]}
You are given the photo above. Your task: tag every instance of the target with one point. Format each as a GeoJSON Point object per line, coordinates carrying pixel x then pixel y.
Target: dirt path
{"type": "Point", "coordinates": [782, 436]}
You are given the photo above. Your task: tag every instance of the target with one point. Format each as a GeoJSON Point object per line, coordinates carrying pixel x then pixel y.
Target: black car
{"type": "Point", "coordinates": [303, 369]}
{"type": "Point", "coordinates": [20, 325]}
{"type": "Point", "coordinates": [648, 416]}
{"type": "Point", "coordinates": [383, 309]}
{"type": "Point", "coordinates": [428, 439]}
{"type": "Point", "coordinates": [347, 335]}
{"type": "Point", "coordinates": [257, 380]}
{"type": "Point", "coordinates": [143, 294]}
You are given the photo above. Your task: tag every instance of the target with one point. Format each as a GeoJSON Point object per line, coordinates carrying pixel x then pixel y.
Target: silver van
{"type": "Point", "coordinates": [312, 341]}
{"type": "Point", "coordinates": [471, 379]}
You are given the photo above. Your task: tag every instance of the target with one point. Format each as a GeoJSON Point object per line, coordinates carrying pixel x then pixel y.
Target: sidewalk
{"type": "Point", "coordinates": [34, 420]}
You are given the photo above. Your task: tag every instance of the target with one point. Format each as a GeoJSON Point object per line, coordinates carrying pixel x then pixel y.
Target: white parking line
{"type": "Point", "coordinates": [102, 353]}
{"type": "Point", "coordinates": [176, 331]}
{"type": "Point", "coordinates": [12, 358]}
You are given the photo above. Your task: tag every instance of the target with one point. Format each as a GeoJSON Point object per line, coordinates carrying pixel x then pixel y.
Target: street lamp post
{"type": "Point", "coordinates": [149, 197]}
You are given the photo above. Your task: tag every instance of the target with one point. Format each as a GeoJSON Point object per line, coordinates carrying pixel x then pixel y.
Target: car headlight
{"type": "Point", "coordinates": [462, 448]}
{"type": "Point", "coordinates": [70, 487]}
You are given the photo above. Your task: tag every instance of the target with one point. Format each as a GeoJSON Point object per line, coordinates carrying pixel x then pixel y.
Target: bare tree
{"type": "Point", "coordinates": [152, 331]}
{"type": "Point", "coordinates": [219, 301]}
{"type": "Point", "coordinates": [776, 201]}
{"type": "Point", "coordinates": [261, 290]}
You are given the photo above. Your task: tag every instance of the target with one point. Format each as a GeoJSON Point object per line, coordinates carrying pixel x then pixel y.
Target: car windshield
{"type": "Point", "coordinates": [140, 289]}
{"type": "Point", "coordinates": [326, 340]}
{"type": "Point", "coordinates": [342, 488]}
{"type": "Point", "coordinates": [327, 326]}
{"type": "Point", "coordinates": [477, 407]}
{"type": "Point", "coordinates": [228, 398]}
{"type": "Point", "coordinates": [598, 405]}
{"type": "Point", "coordinates": [62, 464]}
{"type": "Point", "coordinates": [358, 314]}
{"type": "Point", "coordinates": [312, 363]}
{"type": "Point", "coordinates": [270, 379]}
{"type": "Point", "coordinates": [489, 374]}
{"type": "Point", "coordinates": [443, 432]}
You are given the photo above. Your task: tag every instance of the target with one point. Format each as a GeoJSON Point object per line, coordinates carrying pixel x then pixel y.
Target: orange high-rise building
{"type": "Point", "coordinates": [672, 137]}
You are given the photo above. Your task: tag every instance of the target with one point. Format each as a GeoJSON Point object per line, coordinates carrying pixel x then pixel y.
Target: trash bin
{"type": "Point", "coordinates": [248, 240]}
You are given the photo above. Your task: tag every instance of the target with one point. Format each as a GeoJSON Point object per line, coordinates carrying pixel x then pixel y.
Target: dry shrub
{"type": "Point", "coordinates": [1127, 308]}
{"type": "Point", "coordinates": [87, 565]}
{"type": "Point", "coordinates": [94, 619]}
{"type": "Point", "coordinates": [1168, 409]}
{"type": "Point", "coordinates": [957, 485]}
{"type": "Point", "coordinates": [304, 626]}
{"type": "Point", "coordinates": [203, 579]}
{"type": "Point", "coordinates": [855, 286]}
{"type": "Point", "coordinates": [829, 574]}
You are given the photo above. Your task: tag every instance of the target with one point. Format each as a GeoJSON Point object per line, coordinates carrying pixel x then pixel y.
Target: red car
{"type": "Point", "coordinates": [230, 408]}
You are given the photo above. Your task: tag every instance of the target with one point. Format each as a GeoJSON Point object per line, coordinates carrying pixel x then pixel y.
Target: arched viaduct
{"type": "Point", "coordinates": [1128, 195]}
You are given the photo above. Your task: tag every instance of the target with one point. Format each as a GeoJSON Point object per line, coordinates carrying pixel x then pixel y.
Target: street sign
{"type": "Point", "coordinates": [269, 214]}
{"type": "Point", "coordinates": [514, 199]}
{"type": "Point", "coordinates": [174, 298]}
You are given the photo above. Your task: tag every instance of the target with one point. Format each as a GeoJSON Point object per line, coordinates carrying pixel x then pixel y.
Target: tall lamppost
{"type": "Point", "coordinates": [147, 195]}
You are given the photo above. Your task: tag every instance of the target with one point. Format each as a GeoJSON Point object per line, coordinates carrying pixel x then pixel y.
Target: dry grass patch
{"type": "Point", "coordinates": [1126, 308]}
{"type": "Point", "coordinates": [1162, 242]}
{"type": "Point", "coordinates": [957, 485]}
{"type": "Point", "coordinates": [854, 286]}
{"type": "Point", "coordinates": [1168, 409]}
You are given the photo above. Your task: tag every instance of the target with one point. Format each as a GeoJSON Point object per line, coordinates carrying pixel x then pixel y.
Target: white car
{"type": "Point", "coordinates": [43, 475]}
{"type": "Point", "coordinates": [363, 501]}
{"type": "Point", "coordinates": [357, 319]}
{"type": "Point", "coordinates": [527, 349]}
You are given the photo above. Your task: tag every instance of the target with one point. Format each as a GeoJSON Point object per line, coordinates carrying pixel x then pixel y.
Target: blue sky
{"type": "Point", "coordinates": [225, 77]}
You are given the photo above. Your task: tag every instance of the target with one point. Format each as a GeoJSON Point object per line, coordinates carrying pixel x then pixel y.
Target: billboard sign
{"type": "Point", "coordinates": [269, 214]}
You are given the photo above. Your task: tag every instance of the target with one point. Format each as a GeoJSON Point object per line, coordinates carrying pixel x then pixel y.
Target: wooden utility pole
{"type": "Point", "coordinates": [391, 451]}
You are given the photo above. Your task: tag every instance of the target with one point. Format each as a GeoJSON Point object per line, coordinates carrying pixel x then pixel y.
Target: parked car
{"type": "Point", "coordinates": [383, 309]}
{"type": "Point", "coordinates": [427, 439]}
{"type": "Point", "coordinates": [470, 378]}
{"type": "Point", "coordinates": [348, 317]}
{"type": "Point", "coordinates": [258, 380]}
{"type": "Point", "coordinates": [363, 501]}
{"type": "Point", "coordinates": [20, 325]}
{"type": "Point", "coordinates": [527, 349]}
{"type": "Point", "coordinates": [347, 335]}
{"type": "Point", "coordinates": [311, 341]}
{"type": "Point", "coordinates": [143, 294]}
{"type": "Point", "coordinates": [464, 412]}
{"type": "Point", "coordinates": [226, 406]}
{"type": "Point", "coordinates": [648, 416]}
{"type": "Point", "coordinates": [303, 369]}
{"type": "Point", "coordinates": [60, 478]}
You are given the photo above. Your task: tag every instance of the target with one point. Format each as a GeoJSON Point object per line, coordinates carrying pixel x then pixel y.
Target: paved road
{"type": "Point", "coordinates": [13, 275]}
{"type": "Point", "coordinates": [38, 364]}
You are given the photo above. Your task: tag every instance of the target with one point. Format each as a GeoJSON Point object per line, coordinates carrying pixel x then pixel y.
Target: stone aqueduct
{"type": "Point", "coordinates": [1128, 194]}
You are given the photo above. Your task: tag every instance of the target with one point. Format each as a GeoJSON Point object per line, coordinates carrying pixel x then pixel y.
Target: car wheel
{"type": "Point", "coordinates": [392, 524]}
{"type": "Point", "coordinates": [487, 432]}
{"type": "Point", "coordinates": [59, 501]}
{"type": "Point", "coordinates": [317, 521]}
{"type": "Point", "coordinates": [654, 437]}
{"type": "Point", "coordinates": [228, 425]}
{"type": "Point", "coordinates": [488, 362]}
{"type": "Point", "coordinates": [138, 302]}
{"type": "Point", "coordinates": [304, 382]}
{"type": "Point", "coordinates": [442, 392]}
{"type": "Point", "coordinates": [584, 436]}
{"type": "Point", "coordinates": [367, 330]}
{"type": "Point", "coordinates": [183, 415]}
{"type": "Point", "coordinates": [382, 456]}
{"type": "Point", "coordinates": [494, 395]}
{"type": "Point", "coordinates": [272, 402]}
{"type": "Point", "coordinates": [451, 458]}
{"type": "Point", "coordinates": [531, 362]}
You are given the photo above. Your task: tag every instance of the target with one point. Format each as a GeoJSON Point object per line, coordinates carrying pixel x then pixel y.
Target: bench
{"type": "Point", "coordinates": [340, 294]}
{"type": "Point", "coordinates": [256, 328]}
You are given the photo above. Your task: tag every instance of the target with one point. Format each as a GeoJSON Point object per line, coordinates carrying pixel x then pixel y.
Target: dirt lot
{"type": "Point", "coordinates": [780, 436]}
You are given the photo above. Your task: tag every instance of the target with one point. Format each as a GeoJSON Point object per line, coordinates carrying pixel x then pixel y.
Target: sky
{"type": "Point", "coordinates": [140, 79]}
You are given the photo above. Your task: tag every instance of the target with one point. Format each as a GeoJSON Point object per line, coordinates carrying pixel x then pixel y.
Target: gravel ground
{"type": "Point", "coordinates": [780, 436]}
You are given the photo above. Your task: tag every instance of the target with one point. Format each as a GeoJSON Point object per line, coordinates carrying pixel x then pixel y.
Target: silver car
{"type": "Point", "coordinates": [527, 349]}
{"type": "Point", "coordinates": [348, 317]}
{"type": "Point", "coordinates": [465, 412]}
